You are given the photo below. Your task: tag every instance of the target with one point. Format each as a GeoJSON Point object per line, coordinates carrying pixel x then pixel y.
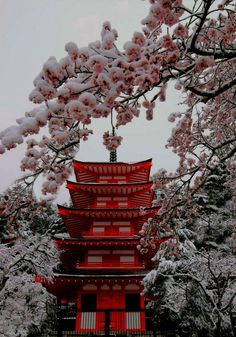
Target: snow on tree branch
{"type": "Point", "coordinates": [195, 289]}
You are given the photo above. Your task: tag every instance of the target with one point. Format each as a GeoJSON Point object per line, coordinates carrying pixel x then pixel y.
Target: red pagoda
{"type": "Point", "coordinates": [102, 268]}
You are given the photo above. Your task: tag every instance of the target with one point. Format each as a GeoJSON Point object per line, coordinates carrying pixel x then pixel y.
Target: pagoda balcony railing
{"type": "Point", "coordinates": [112, 233]}
{"type": "Point", "coordinates": [110, 265]}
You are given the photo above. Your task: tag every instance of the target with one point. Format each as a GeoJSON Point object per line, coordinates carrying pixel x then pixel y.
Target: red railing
{"type": "Point", "coordinates": [107, 234]}
{"type": "Point", "coordinates": [110, 265]}
{"type": "Point", "coordinates": [107, 323]}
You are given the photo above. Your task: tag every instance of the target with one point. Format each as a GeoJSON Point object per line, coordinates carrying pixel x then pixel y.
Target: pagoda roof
{"type": "Point", "coordinates": [104, 213]}
{"type": "Point", "coordinates": [109, 188]}
{"type": "Point", "coordinates": [78, 220]}
{"type": "Point", "coordinates": [68, 284]}
{"type": "Point", "coordinates": [84, 193]}
{"type": "Point", "coordinates": [88, 171]}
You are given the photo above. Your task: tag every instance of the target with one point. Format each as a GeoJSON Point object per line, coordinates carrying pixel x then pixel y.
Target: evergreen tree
{"type": "Point", "coordinates": [26, 251]}
{"type": "Point", "coordinates": [196, 286]}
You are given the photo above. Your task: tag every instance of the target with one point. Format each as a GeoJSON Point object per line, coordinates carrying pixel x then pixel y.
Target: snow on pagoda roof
{"type": "Point", "coordinates": [88, 171]}
{"type": "Point", "coordinates": [60, 237]}
{"type": "Point", "coordinates": [107, 276]}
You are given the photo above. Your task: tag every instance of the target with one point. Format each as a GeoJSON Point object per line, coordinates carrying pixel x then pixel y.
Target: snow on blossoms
{"type": "Point", "coordinates": [100, 80]}
{"type": "Point", "coordinates": [10, 138]}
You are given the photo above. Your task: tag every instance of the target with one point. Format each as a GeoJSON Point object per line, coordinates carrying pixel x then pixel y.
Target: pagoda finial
{"type": "Point", "coordinates": [113, 157]}
{"type": "Point", "coordinates": [113, 154]}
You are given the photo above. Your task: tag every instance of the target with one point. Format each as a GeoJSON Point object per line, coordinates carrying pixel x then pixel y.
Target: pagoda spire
{"type": "Point", "coordinates": [113, 154]}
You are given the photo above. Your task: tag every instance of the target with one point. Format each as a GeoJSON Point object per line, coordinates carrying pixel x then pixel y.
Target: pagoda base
{"type": "Point", "coordinates": [92, 299]}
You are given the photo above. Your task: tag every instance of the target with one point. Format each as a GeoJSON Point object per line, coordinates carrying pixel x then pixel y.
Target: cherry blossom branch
{"type": "Point", "coordinates": [212, 94]}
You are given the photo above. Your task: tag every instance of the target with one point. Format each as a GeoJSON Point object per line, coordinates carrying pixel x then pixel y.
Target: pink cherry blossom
{"type": "Point", "coordinates": [108, 40]}
{"type": "Point", "coordinates": [72, 50]}
{"type": "Point", "coordinates": [87, 99]}
{"type": "Point", "coordinates": [111, 142]}
{"type": "Point", "coordinates": [97, 63]}
{"type": "Point", "coordinates": [203, 62]}
{"type": "Point", "coordinates": [46, 89]}
{"type": "Point", "coordinates": [181, 31]}
{"type": "Point", "coordinates": [36, 97]}
{"type": "Point", "coordinates": [138, 38]}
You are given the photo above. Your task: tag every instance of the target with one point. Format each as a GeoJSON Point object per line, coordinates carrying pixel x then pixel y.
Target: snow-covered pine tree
{"type": "Point", "coordinates": [195, 287]}
{"type": "Point", "coordinates": [26, 250]}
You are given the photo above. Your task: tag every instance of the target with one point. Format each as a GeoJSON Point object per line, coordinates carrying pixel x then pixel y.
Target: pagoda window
{"type": "Point", "coordinates": [100, 251]}
{"type": "Point", "coordinates": [120, 177]}
{"type": "Point", "coordinates": [121, 201]}
{"type": "Point", "coordinates": [99, 227]}
{"type": "Point", "coordinates": [95, 259]}
{"type": "Point", "coordinates": [98, 256]}
{"type": "Point", "coordinates": [115, 202]}
{"type": "Point", "coordinates": [104, 179]}
{"type": "Point", "coordinates": [125, 256]}
{"type": "Point", "coordinates": [121, 223]}
{"type": "Point", "coordinates": [102, 228]}
{"type": "Point", "coordinates": [124, 227]}
{"type": "Point", "coordinates": [103, 198]}
{"type": "Point", "coordinates": [98, 230]}
{"type": "Point", "coordinates": [101, 204]}
{"type": "Point", "coordinates": [101, 223]}
{"type": "Point", "coordinates": [121, 198]}
{"type": "Point", "coordinates": [127, 259]}
{"type": "Point", "coordinates": [124, 252]}
{"type": "Point", "coordinates": [112, 179]}
{"type": "Point", "coordinates": [125, 230]}
{"type": "Point", "coordinates": [102, 201]}
{"type": "Point", "coordinates": [123, 204]}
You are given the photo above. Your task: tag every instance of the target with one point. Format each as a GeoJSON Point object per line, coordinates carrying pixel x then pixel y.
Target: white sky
{"type": "Point", "coordinates": [33, 30]}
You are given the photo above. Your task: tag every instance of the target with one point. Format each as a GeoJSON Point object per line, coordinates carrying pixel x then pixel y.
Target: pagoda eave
{"type": "Point", "coordinates": [111, 188]}
{"type": "Point", "coordinates": [77, 220]}
{"type": "Point", "coordinates": [69, 284]}
{"type": "Point", "coordinates": [106, 213]}
{"type": "Point", "coordinates": [84, 194]}
{"type": "Point", "coordinates": [90, 170]}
